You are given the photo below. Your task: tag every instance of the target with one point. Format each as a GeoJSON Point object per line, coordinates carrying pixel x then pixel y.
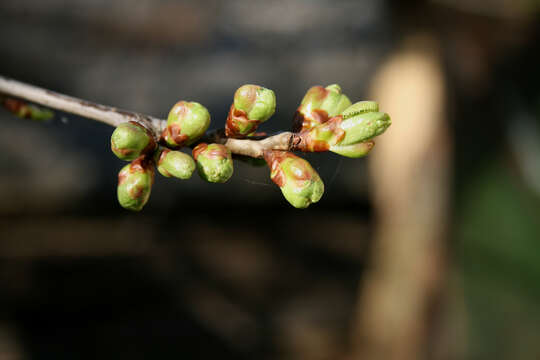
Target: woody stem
{"type": "Point", "coordinates": [114, 117]}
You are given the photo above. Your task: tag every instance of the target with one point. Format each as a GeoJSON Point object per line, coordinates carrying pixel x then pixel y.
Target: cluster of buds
{"type": "Point", "coordinates": [132, 141]}
{"type": "Point", "coordinates": [349, 133]}
{"type": "Point", "coordinates": [325, 121]}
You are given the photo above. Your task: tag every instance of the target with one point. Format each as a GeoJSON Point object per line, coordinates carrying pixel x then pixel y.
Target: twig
{"type": "Point", "coordinates": [106, 114]}
{"type": "Point", "coordinates": [114, 117]}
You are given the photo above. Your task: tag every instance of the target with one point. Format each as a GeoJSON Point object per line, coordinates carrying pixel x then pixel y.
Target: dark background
{"type": "Point", "coordinates": [427, 249]}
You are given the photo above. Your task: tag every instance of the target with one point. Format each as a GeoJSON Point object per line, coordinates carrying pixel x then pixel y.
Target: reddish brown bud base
{"type": "Point", "coordinates": [238, 122]}
{"type": "Point", "coordinates": [330, 131]}
{"type": "Point", "coordinates": [141, 164]}
{"type": "Point", "coordinates": [217, 152]}
{"type": "Point", "coordinates": [303, 122]}
{"type": "Point", "coordinates": [274, 158]}
{"type": "Point", "coordinates": [173, 134]}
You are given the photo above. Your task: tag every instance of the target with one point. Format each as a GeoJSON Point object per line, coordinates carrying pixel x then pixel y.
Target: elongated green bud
{"type": "Point", "coordinates": [135, 183]}
{"type": "Point", "coordinates": [214, 162]}
{"type": "Point", "coordinates": [364, 126]}
{"type": "Point", "coordinates": [355, 150]}
{"type": "Point", "coordinates": [175, 163]}
{"type": "Point", "coordinates": [186, 123]}
{"type": "Point", "coordinates": [298, 181]}
{"type": "Point", "coordinates": [319, 105]}
{"type": "Point", "coordinates": [23, 109]}
{"type": "Point", "coordinates": [253, 104]}
{"type": "Point", "coordinates": [360, 108]}
{"type": "Point", "coordinates": [339, 131]}
{"type": "Point", "coordinates": [130, 140]}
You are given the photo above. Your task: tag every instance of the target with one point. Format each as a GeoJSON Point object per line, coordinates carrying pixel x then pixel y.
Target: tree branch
{"type": "Point", "coordinates": [106, 114]}
{"type": "Point", "coordinates": [114, 117]}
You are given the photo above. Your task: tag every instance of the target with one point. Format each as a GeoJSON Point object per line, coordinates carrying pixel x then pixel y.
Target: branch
{"type": "Point", "coordinates": [103, 113]}
{"type": "Point", "coordinates": [114, 117]}
{"type": "Point", "coordinates": [326, 121]}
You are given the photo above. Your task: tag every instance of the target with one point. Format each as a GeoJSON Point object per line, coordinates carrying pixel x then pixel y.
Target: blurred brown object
{"type": "Point", "coordinates": [410, 178]}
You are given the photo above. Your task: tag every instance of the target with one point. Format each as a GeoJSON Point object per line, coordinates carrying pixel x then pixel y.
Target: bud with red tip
{"type": "Point", "coordinates": [298, 181]}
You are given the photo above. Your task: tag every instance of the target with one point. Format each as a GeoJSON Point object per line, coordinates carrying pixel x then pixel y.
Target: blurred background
{"type": "Point", "coordinates": [429, 248]}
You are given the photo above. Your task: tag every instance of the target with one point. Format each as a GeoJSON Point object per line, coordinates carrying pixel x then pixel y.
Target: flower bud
{"type": "Point", "coordinates": [131, 140]}
{"type": "Point", "coordinates": [214, 162]}
{"type": "Point", "coordinates": [135, 183]}
{"type": "Point", "coordinates": [175, 163]}
{"type": "Point", "coordinates": [298, 181]}
{"type": "Point", "coordinates": [355, 129]}
{"type": "Point", "coordinates": [355, 150]}
{"type": "Point", "coordinates": [252, 105]}
{"type": "Point", "coordinates": [318, 106]}
{"type": "Point", "coordinates": [187, 122]}
{"type": "Point", "coordinates": [22, 109]}
{"type": "Point", "coordinates": [363, 126]}
{"type": "Point", "coordinates": [360, 108]}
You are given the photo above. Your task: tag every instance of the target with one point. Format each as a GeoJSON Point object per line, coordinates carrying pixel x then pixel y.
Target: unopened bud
{"type": "Point", "coordinates": [135, 183]}
{"type": "Point", "coordinates": [355, 150]}
{"type": "Point", "coordinates": [175, 163]}
{"type": "Point", "coordinates": [252, 105]}
{"type": "Point", "coordinates": [23, 109]}
{"type": "Point", "coordinates": [298, 181]}
{"type": "Point", "coordinates": [363, 126]}
{"type": "Point", "coordinates": [186, 123]}
{"type": "Point", "coordinates": [131, 140]}
{"type": "Point", "coordinates": [319, 105]}
{"type": "Point", "coordinates": [360, 108]}
{"type": "Point", "coordinates": [214, 162]}
{"type": "Point", "coordinates": [357, 128]}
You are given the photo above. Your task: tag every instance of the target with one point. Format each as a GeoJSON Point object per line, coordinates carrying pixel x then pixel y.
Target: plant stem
{"type": "Point", "coordinates": [114, 117]}
{"type": "Point", "coordinates": [106, 114]}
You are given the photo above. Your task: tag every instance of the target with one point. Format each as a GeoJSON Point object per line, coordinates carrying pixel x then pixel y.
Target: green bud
{"type": "Point", "coordinates": [360, 108]}
{"type": "Point", "coordinates": [363, 126]}
{"type": "Point", "coordinates": [135, 183]}
{"type": "Point", "coordinates": [38, 113]}
{"type": "Point", "coordinates": [252, 105]}
{"type": "Point", "coordinates": [298, 181]}
{"type": "Point", "coordinates": [175, 163]}
{"type": "Point", "coordinates": [257, 102]}
{"type": "Point", "coordinates": [187, 122]}
{"type": "Point", "coordinates": [355, 150]}
{"type": "Point", "coordinates": [22, 109]}
{"type": "Point", "coordinates": [318, 105]}
{"type": "Point", "coordinates": [356, 124]}
{"type": "Point", "coordinates": [214, 162]}
{"type": "Point", "coordinates": [131, 140]}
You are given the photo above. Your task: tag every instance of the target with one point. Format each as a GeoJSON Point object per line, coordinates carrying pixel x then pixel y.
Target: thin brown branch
{"type": "Point", "coordinates": [114, 117]}
{"type": "Point", "coordinates": [106, 114]}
